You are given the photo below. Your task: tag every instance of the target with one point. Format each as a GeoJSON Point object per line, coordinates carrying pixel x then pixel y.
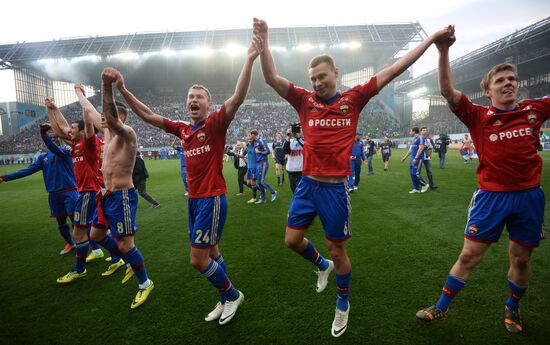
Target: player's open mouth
{"type": "Point", "coordinates": [194, 107]}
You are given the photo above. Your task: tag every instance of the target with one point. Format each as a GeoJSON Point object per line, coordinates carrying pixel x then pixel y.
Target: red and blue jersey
{"type": "Point", "coordinates": [204, 145]}
{"type": "Point", "coordinates": [506, 143]}
{"type": "Point", "coordinates": [329, 128]}
{"type": "Point", "coordinates": [56, 166]}
{"type": "Point", "coordinates": [86, 160]}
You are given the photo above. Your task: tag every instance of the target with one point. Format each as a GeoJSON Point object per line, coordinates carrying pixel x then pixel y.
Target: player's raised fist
{"type": "Point", "coordinates": [45, 127]}
{"type": "Point", "coordinates": [259, 26]}
{"type": "Point", "coordinates": [109, 75]}
{"type": "Point", "coordinates": [78, 87]}
{"type": "Point", "coordinates": [49, 103]}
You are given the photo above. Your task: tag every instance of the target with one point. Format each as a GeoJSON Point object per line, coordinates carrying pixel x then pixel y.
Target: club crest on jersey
{"type": "Point", "coordinates": [497, 123]}
{"type": "Point", "coordinates": [532, 118]}
{"type": "Point", "coordinates": [344, 108]}
{"type": "Point", "coordinates": [472, 229]}
{"type": "Point", "coordinates": [493, 137]}
{"type": "Point", "coordinates": [201, 136]}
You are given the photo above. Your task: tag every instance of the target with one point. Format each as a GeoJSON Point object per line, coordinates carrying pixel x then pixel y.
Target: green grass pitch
{"type": "Point", "coordinates": [401, 250]}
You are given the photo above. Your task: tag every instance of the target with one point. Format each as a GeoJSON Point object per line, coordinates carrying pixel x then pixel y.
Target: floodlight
{"type": "Point", "coordinates": [304, 46]}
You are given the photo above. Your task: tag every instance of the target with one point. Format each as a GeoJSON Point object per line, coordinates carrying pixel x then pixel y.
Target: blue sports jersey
{"type": "Point", "coordinates": [251, 155]}
{"type": "Point", "coordinates": [357, 150]}
{"type": "Point", "coordinates": [182, 156]}
{"type": "Point", "coordinates": [56, 165]}
{"type": "Point", "coordinates": [263, 147]}
{"type": "Point", "coordinates": [417, 141]}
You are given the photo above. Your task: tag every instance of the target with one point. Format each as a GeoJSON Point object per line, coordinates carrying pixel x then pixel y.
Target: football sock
{"type": "Point", "coordinates": [221, 263]}
{"type": "Point", "coordinates": [217, 277]}
{"type": "Point", "coordinates": [311, 254]}
{"type": "Point", "coordinates": [81, 253]}
{"type": "Point", "coordinates": [452, 286]}
{"type": "Point", "coordinates": [135, 259]}
{"type": "Point", "coordinates": [516, 293]}
{"type": "Point", "coordinates": [342, 290]}
{"type": "Point", "coordinates": [109, 243]}
{"type": "Point", "coordinates": [65, 231]}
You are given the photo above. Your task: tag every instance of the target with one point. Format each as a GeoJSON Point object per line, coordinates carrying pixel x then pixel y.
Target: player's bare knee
{"type": "Point", "coordinates": [292, 242]}
{"type": "Point", "coordinates": [469, 259]}
{"type": "Point", "coordinates": [125, 244]}
{"type": "Point", "coordinates": [96, 236]}
{"type": "Point", "coordinates": [199, 263]}
{"type": "Point", "coordinates": [520, 262]}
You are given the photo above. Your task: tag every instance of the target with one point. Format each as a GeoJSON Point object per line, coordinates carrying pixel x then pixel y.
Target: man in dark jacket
{"type": "Point", "coordinates": [440, 147]}
{"type": "Point", "coordinates": [139, 178]}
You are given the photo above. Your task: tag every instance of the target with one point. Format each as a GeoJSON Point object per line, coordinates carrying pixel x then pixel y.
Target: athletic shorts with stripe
{"type": "Point", "coordinates": [330, 201]}
{"type": "Point", "coordinates": [85, 208]}
{"type": "Point", "coordinates": [206, 220]}
{"type": "Point", "coordinates": [117, 211]}
{"type": "Point", "coordinates": [522, 212]}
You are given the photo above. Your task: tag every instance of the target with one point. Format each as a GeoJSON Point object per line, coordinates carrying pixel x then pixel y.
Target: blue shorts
{"type": "Point", "coordinates": [251, 174]}
{"type": "Point", "coordinates": [206, 220]}
{"type": "Point", "coordinates": [328, 200]}
{"type": "Point", "coordinates": [85, 208]}
{"type": "Point", "coordinates": [261, 170]}
{"type": "Point", "coordinates": [522, 212]}
{"type": "Point", "coordinates": [63, 204]}
{"type": "Point", "coordinates": [117, 211]}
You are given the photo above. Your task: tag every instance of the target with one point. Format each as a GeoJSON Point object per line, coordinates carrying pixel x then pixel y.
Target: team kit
{"type": "Point", "coordinates": [92, 182]}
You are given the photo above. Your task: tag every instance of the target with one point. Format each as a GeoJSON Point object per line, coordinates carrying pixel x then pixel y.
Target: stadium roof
{"type": "Point", "coordinates": [513, 48]}
{"type": "Point", "coordinates": [390, 38]}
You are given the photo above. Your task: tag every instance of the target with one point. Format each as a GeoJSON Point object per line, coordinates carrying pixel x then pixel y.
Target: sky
{"type": "Point", "coordinates": [478, 22]}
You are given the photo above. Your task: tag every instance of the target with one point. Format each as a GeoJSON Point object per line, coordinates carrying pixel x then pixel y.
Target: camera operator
{"type": "Point", "coordinates": [293, 147]}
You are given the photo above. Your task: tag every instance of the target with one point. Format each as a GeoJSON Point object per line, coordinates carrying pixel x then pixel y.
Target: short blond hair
{"type": "Point", "coordinates": [201, 87]}
{"type": "Point", "coordinates": [325, 58]}
{"type": "Point", "coordinates": [486, 81]}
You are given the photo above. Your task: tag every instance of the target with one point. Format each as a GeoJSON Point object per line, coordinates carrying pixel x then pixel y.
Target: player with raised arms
{"type": "Point", "coordinates": [506, 135]}
{"type": "Point", "coordinates": [204, 143]}
{"type": "Point", "coordinates": [329, 122]}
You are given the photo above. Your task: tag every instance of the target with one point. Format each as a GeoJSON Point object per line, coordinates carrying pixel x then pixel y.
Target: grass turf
{"type": "Point", "coordinates": [401, 250]}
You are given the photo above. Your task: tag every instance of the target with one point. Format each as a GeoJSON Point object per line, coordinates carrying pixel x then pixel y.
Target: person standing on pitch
{"type": "Point", "coordinates": [58, 174]}
{"type": "Point", "coordinates": [509, 190]}
{"type": "Point", "coordinates": [204, 144]}
{"type": "Point", "coordinates": [329, 123]}
{"type": "Point", "coordinates": [179, 148]}
{"type": "Point", "coordinates": [357, 158]}
{"type": "Point", "coordinates": [140, 174]}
